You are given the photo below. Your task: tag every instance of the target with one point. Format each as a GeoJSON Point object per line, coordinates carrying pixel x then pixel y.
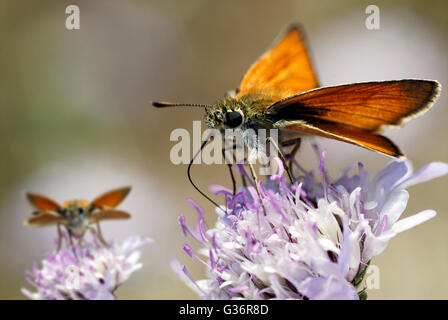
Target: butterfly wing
{"type": "Point", "coordinates": [349, 134]}
{"type": "Point", "coordinates": [108, 214]}
{"type": "Point", "coordinates": [44, 219]}
{"type": "Point", "coordinates": [42, 203]}
{"type": "Point", "coordinates": [112, 198]}
{"type": "Point", "coordinates": [282, 71]}
{"type": "Point", "coordinates": [356, 113]}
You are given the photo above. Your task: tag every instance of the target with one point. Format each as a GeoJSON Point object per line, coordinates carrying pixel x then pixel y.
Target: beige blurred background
{"type": "Point", "coordinates": [76, 120]}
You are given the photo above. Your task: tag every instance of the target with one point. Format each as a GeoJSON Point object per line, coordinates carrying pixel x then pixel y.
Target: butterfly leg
{"type": "Point", "coordinates": [244, 181]}
{"type": "Point", "coordinates": [235, 160]}
{"type": "Point", "coordinates": [100, 235]}
{"type": "Point", "coordinates": [81, 238]}
{"type": "Point", "coordinates": [293, 152]}
{"type": "Point", "coordinates": [282, 157]}
{"type": "Point", "coordinates": [70, 239]}
{"type": "Point", "coordinates": [59, 237]}
{"type": "Point", "coordinates": [254, 177]}
{"type": "Point", "coordinates": [229, 165]}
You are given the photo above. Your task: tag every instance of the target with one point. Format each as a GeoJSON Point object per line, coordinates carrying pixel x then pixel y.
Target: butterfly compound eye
{"type": "Point", "coordinates": [234, 119]}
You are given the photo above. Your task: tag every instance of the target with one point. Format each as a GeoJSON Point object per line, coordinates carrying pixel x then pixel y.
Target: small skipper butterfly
{"type": "Point", "coordinates": [77, 215]}
{"type": "Point", "coordinates": [280, 90]}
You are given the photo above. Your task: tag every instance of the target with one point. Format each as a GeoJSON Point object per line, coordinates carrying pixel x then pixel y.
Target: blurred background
{"type": "Point", "coordinates": [76, 118]}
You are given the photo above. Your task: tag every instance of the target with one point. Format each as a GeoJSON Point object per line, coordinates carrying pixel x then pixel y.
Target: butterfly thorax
{"type": "Point", "coordinates": [245, 112]}
{"type": "Point", "coordinates": [77, 212]}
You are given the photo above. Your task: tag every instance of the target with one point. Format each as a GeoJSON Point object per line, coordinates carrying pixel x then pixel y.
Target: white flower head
{"type": "Point", "coordinates": [315, 240]}
{"type": "Point", "coordinates": [93, 273]}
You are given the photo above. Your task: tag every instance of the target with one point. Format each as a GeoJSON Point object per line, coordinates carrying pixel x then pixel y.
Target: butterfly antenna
{"type": "Point", "coordinates": [191, 181]}
{"type": "Point", "coordinates": [163, 104]}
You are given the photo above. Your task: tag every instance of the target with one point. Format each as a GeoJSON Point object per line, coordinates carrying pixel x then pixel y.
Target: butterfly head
{"type": "Point", "coordinates": [226, 114]}
{"type": "Point", "coordinates": [76, 212]}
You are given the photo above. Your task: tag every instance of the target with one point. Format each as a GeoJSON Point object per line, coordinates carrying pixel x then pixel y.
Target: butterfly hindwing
{"type": "Point", "coordinates": [108, 214]}
{"type": "Point", "coordinates": [44, 219]}
{"type": "Point", "coordinates": [347, 134]}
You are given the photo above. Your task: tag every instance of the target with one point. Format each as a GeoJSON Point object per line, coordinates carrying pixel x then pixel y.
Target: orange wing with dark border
{"type": "Point", "coordinates": [42, 203]}
{"type": "Point", "coordinates": [44, 219]}
{"type": "Point", "coordinates": [356, 113]}
{"type": "Point", "coordinates": [282, 71]}
{"type": "Point", "coordinates": [109, 214]}
{"type": "Point", "coordinates": [112, 198]}
{"type": "Point", "coordinates": [107, 202]}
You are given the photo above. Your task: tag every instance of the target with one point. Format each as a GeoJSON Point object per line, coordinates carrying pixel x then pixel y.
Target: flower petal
{"type": "Point", "coordinates": [430, 171]}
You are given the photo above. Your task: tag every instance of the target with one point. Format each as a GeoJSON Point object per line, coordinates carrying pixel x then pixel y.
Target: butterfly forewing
{"type": "Point", "coordinates": [112, 198]}
{"type": "Point", "coordinates": [355, 113]}
{"type": "Point", "coordinates": [42, 203]}
{"type": "Point", "coordinates": [368, 106]}
{"type": "Point", "coordinates": [282, 71]}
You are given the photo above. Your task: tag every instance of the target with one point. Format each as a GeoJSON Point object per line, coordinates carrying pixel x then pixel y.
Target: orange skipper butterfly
{"type": "Point", "coordinates": [281, 91]}
{"type": "Point", "coordinates": [77, 215]}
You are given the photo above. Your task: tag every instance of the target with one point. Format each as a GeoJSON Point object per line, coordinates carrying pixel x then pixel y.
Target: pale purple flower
{"type": "Point", "coordinates": [315, 240]}
{"type": "Point", "coordinates": [93, 274]}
